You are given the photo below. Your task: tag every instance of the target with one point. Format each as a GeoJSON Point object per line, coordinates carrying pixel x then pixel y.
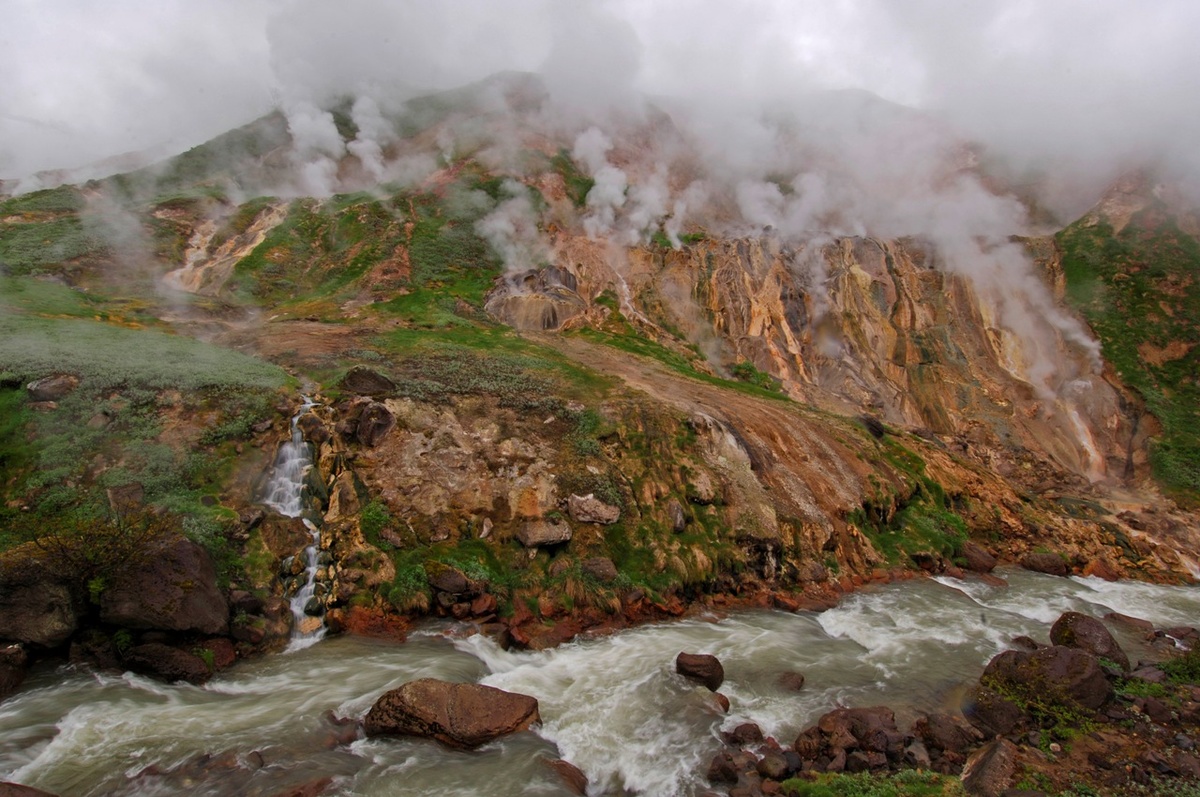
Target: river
{"type": "Point", "coordinates": [612, 705]}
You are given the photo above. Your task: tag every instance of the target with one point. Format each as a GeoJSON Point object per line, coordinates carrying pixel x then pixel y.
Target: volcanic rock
{"type": "Point", "coordinates": [1075, 630]}
{"type": "Point", "coordinates": [168, 663]}
{"type": "Point", "coordinates": [978, 559]}
{"type": "Point", "coordinates": [12, 669]}
{"type": "Point", "coordinates": [1059, 674]}
{"type": "Point", "coordinates": [174, 589]}
{"type": "Point", "coordinates": [457, 715]}
{"type": "Point", "coordinates": [590, 509]}
{"type": "Point", "coordinates": [543, 532]}
{"type": "Point", "coordinates": [35, 606]}
{"type": "Point", "coordinates": [366, 382]}
{"type": "Point", "coordinates": [1049, 563]}
{"type": "Point", "coordinates": [572, 776]}
{"type": "Point", "coordinates": [679, 519]}
{"type": "Point", "coordinates": [52, 388]}
{"type": "Point", "coordinates": [701, 667]}
{"type": "Point", "coordinates": [600, 568]}
{"type": "Point", "coordinates": [990, 770]}
{"type": "Point", "coordinates": [374, 424]}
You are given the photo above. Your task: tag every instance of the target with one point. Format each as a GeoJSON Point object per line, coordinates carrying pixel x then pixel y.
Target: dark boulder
{"type": "Point", "coordinates": [728, 765]}
{"type": "Point", "coordinates": [1049, 563]}
{"type": "Point", "coordinates": [543, 532]}
{"type": "Point", "coordinates": [870, 729]}
{"type": "Point", "coordinates": [1055, 675]}
{"type": "Point", "coordinates": [701, 667]}
{"type": "Point", "coordinates": [374, 424]}
{"type": "Point", "coordinates": [52, 388]}
{"type": "Point", "coordinates": [174, 589]}
{"type": "Point", "coordinates": [791, 681]}
{"type": "Point", "coordinates": [12, 669]}
{"type": "Point", "coordinates": [744, 734]}
{"type": "Point", "coordinates": [942, 732]}
{"type": "Point", "coordinates": [170, 664]}
{"type": "Point", "coordinates": [458, 715]}
{"type": "Point", "coordinates": [366, 382]}
{"type": "Point", "coordinates": [978, 559]}
{"type": "Point", "coordinates": [35, 605]}
{"type": "Point", "coordinates": [989, 772]}
{"type": "Point", "coordinates": [1075, 630]}
{"type": "Point", "coordinates": [677, 516]}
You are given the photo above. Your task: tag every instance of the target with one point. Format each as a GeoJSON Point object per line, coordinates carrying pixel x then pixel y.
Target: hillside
{"type": "Point", "coordinates": [561, 386]}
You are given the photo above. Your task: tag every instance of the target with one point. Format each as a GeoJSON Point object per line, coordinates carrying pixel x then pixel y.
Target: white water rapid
{"type": "Point", "coordinates": [285, 494]}
{"type": "Point", "coordinates": [613, 705]}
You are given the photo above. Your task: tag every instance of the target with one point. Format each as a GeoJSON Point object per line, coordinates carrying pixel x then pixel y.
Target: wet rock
{"type": "Point", "coordinates": [791, 681]}
{"type": "Point", "coordinates": [94, 648]}
{"type": "Point", "coordinates": [52, 388]}
{"type": "Point", "coordinates": [284, 536]}
{"type": "Point", "coordinates": [312, 788]}
{"type": "Point", "coordinates": [773, 765]}
{"type": "Point", "coordinates": [8, 789]}
{"type": "Point", "coordinates": [600, 568]}
{"type": "Point", "coordinates": [978, 559]}
{"type": "Point", "coordinates": [35, 606]}
{"type": "Point", "coordinates": [374, 424]}
{"type": "Point", "coordinates": [744, 734]}
{"type": "Point", "coordinates": [12, 669]}
{"type": "Point", "coordinates": [701, 667]}
{"type": "Point", "coordinates": [677, 516]}
{"type": "Point", "coordinates": [590, 509]}
{"type": "Point", "coordinates": [366, 382]}
{"type": "Point", "coordinates": [1075, 630]}
{"type": "Point", "coordinates": [174, 589]}
{"type": "Point", "coordinates": [917, 755]}
{"type": "Point", "coordinates": [871, 729]}
{"type": "Point", "coordinates": [728, 765]}
{"type": "Point", "coordinates": [457, 715]}
{"type": "Point", "coordinates": [1135, 623]}
{"type": "Point", "coordinates": [1049, 563]}
{"type": "Point", "coordinates": [535, 533]}
{"type": "Point", "coordinates": [452, 581]}
{"type": "Point", "coordinates": [168, 663]}
{"type": "Point", "coordinates": [313, 607]}
{"type": "Point", "coordinates": [571, 775]}
{"type": "Point", "coordinates": [241, 601]}
{"type": "Point", "coordinates": [722, 701]}
{"type": "Point", "coordinates": [990, 770]}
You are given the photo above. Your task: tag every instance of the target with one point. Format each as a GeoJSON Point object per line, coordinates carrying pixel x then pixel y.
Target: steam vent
{"type": "Point", "coordinates": [600, 398]}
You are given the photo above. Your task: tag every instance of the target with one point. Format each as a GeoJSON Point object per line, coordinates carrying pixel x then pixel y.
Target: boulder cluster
{"type": "Point", "coordinates": [1072, 711]}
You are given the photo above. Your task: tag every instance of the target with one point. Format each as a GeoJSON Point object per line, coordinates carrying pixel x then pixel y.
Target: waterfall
{"type": "Point", "coordinates": [284, 493]}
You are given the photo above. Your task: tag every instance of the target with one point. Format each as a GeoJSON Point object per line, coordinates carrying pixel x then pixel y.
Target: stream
{"type": "Point", "coordinates": [611, 705]}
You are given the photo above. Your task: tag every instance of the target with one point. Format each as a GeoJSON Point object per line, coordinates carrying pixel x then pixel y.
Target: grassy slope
{"type": "Point", "coordinates": [1142, 286]}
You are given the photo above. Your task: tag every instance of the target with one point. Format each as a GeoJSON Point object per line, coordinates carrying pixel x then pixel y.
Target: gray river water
{"type": "Point", "coordinates": [613, 705]}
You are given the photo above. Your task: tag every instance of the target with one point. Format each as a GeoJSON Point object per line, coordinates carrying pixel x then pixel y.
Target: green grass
{"type": "Point", "coordinates": [578, 184]}
{"type": "Point", "coordinates": [47, 297]}
{"type": "Point", "coordinates": [1140, 286]}
{"type": "Point", "coordinates": [33, 247]}
{"type": "Point", "coordinates": [64, 199]}
{"type": "Point", "coordinates": [909, 783]}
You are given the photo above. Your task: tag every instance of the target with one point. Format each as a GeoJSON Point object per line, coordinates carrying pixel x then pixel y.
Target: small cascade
{"type": "Point", "coordinates": [285, 494]}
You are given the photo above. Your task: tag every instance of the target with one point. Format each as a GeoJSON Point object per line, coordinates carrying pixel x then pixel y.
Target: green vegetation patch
{"type": "Point", "coordinates": [64, 199]}
{"type": "Point", "coordinates": [909, 783]}
{"type": "Point", "coordinates": [31, 247]}
{"type": "Point", "coordinates": [1140, 291]}
{"type": "Point", "coordinates": [578, 184]}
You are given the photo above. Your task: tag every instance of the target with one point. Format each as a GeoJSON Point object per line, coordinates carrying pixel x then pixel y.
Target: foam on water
{"type": "Point", "coordinates": [613, 706]}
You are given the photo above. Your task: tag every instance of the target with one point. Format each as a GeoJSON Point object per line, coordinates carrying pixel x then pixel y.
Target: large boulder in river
{"type": "Point", "coordinates": [977, 558]}
{"type": "Point", "coordinates": [458, 715]}
{"type": "Point", "coordinates": [173, 589]}
{"type": "Point", "coordinates": [35, 606]}
{"type": "Point", "coordinates": [1054, 675]}
{"type": "Point", "coordinates": [701, 667]}
{"type": "Point", "coordinates": [1075, 630]}
{"type": "Point", "coordinates": [366, 382]}
{"type": "Point", "coordinates": [167, 663]}
{"type": "Point", "coordinates": [1049, 563]}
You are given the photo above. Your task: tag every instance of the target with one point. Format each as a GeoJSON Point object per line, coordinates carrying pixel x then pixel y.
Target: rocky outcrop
{"type": "Point", "coordinates": [977, 558]}
{"type": "Point", "coordinates": [1075, 630]}
{"type": "Point", "coordinates": [702, 668]}
{"type": "Point", "coordinates": [374, 424]}
{"type": "Point", "coordinates": [173, 589]}
{"type": "Point", "coordinates": [457, 715]}
{"type": "Point", "coordinates": [989, 772]}
{"type": "Point", "coordinates": [36, 607]}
